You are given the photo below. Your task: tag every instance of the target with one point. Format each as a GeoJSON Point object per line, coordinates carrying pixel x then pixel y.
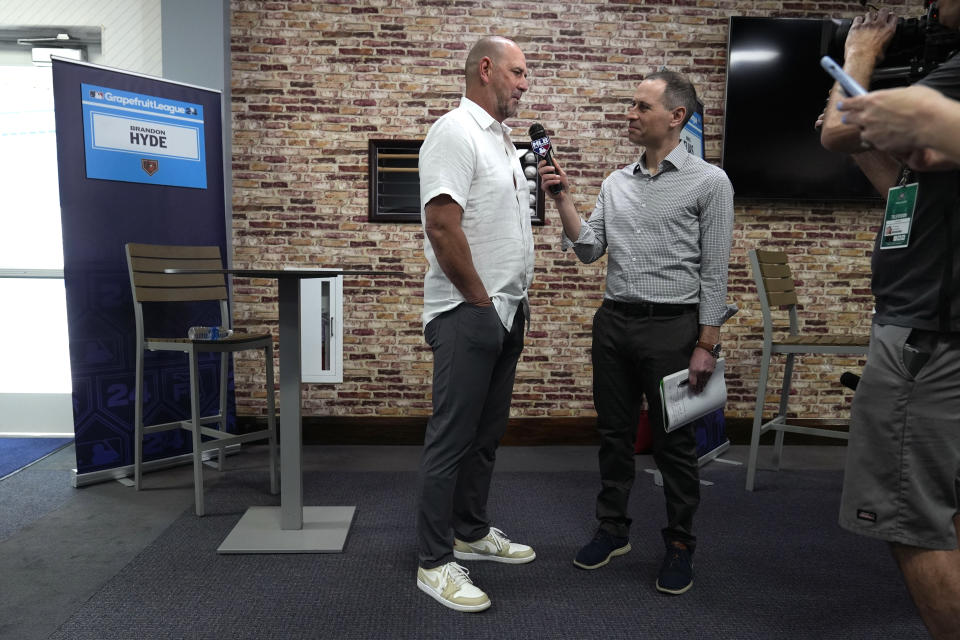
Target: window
{"type": "Point", "coordinates": [35, 385]}
{"type": "Point", "coordinates": [31, 250]}
{"type": "Point", "coordinates": [394, 181]}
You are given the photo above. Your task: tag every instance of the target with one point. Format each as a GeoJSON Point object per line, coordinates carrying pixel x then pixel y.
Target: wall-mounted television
{"type": "Point", "coordinates": [775, 91]}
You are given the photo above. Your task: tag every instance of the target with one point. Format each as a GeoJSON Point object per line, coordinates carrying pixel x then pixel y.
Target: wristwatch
{"type": "Point", "coordinates": [712, 349]}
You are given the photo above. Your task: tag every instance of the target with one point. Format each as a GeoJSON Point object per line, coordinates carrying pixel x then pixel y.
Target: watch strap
{"type": "Point", "coordinates": [712, 349]}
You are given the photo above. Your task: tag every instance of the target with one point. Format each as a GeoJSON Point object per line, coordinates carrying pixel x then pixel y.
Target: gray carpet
{"type": "Point", "coordinates": [29, 495]}
{"type": "Point", "coordinates": [771, 564]}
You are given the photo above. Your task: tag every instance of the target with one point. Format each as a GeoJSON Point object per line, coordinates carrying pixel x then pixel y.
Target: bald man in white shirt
{"type": "Point", "coordinates": [479, 246]}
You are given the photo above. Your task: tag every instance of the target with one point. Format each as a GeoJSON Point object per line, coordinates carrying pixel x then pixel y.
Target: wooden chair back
{"type": "Point", "coordinates": [147, 262]}
{"type": "Point", "coordinates": [775, 286]}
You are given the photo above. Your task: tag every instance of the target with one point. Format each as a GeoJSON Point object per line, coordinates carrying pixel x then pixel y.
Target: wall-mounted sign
{"type": "Point", "coordinates": [692, 134]}
{"type": "Point", "coordinates": [133, 137]}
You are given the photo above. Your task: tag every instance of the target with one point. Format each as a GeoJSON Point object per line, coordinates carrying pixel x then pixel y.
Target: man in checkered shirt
{"type": "Point", "coordinates": [665, 223]}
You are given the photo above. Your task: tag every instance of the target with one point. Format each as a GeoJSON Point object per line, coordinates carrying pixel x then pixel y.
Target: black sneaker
{"type": "Point", "coordinates": [676, 573]}
{"type": "Point", "coordinates": [599, 550]}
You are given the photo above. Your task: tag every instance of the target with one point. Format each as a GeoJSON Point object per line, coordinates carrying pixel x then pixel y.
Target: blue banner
{"type": "Point", "coordinates": [100, 212]}
{"type": "Point", "coordinates": [135, 137]}
{"type": "Point", "coordinates": [692, 134]}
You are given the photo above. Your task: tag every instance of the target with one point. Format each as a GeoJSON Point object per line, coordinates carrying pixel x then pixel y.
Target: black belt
{"type": "Point", "coordinates": [648, 308]}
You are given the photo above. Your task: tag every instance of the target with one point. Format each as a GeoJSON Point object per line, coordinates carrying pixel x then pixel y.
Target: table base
{"type": "Point", "coordinates": [258, 531]}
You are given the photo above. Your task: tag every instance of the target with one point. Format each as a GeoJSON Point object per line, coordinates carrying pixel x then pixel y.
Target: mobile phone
{"type": "Point", "coordinates": [917, 349]}
{"type": "Point", "coordinates": [850, 86]}
{"type": "Point", "coordinates": [914, 359]}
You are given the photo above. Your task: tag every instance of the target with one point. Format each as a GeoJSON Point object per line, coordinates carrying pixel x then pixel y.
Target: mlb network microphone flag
{"type": "Point", "coordinates": [541, 146]}
{"type": "Point", "coordinates": [139, 160]}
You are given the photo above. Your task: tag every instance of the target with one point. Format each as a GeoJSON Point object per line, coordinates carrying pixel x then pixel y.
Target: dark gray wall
{"type": "Point", "coordinates": [196, 50]}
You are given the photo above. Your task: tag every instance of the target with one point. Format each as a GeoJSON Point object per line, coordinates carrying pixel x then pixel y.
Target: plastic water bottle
{"type": "Point", "coordinates": [209, 333]}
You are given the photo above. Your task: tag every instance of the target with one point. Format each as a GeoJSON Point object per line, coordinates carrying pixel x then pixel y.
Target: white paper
{"type": "Point", "coordinates": [681, 405]}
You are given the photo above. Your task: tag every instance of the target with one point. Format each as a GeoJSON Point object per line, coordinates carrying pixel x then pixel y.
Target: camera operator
{"type": "Point", "coordinates": [903, 460]}
{"type": "Point", "coordinates": [912, 122]}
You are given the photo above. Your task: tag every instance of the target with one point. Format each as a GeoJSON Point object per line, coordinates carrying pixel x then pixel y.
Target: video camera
{"type": "Point", "coordinates": [919, 46]}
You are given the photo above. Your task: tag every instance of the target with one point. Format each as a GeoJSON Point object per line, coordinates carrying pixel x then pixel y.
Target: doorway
{"type": "Point", "coordinates": [35, 386]}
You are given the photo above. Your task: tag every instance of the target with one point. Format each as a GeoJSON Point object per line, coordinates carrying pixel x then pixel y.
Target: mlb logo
{"type": "Point", "coordinates": [149, 166]}
{"type": "Point", "coordinates": [541, 146]}
{"type": "Point", "coordinates": [96, 94]}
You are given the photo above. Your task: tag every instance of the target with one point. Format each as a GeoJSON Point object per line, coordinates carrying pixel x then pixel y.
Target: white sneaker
{"type": "Point", "coordinates": [450, 585]}
{"type": "Point", "coordinates": [493, 546]}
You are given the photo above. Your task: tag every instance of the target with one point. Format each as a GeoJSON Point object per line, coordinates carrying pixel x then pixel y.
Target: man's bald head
{"type": "Point", "coordinates": [496, 71]}
{"type": "Point", "coordinates": [492, 47]}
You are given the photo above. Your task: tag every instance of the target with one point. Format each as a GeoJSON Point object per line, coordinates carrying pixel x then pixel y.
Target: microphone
{"type": "Point", "coordinates": [849, 380]}
{"type": "Point", "coordinates": [542, 147]}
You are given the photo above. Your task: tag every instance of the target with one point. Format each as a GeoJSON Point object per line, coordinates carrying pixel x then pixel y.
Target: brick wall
{"type": "Point", "coordinates": [313, 81]}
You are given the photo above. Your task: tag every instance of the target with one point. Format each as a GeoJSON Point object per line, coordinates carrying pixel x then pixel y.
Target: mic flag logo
{"type": "Point", "coordinates": [150, 166]}
{"type": "Point", "coordinates": [541, 146]}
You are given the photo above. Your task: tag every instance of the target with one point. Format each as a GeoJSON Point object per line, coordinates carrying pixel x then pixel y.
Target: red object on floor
{"type": "Point", "coordinates": [644, 437]}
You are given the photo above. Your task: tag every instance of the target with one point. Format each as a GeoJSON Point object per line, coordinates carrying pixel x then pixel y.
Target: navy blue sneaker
{"type": "Point", "coordinates": [599, 550]}
{"type": "Point", "coordinates": [676, 573]}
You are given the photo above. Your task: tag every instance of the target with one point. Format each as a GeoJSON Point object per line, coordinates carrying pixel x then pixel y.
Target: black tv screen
{"type": "Point", "coordinates": [775, 91]}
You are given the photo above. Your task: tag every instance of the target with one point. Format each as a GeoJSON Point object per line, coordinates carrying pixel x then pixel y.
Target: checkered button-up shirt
{"type": "Point", "coordinates": [667, 234]}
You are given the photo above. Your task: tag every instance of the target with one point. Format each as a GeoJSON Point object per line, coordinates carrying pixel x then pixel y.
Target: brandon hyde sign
{"type": "Point", "coordinates": [127, 134]}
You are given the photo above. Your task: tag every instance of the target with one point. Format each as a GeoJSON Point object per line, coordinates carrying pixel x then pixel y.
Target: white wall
{"type": "Point", "coordinates": [130, 29]}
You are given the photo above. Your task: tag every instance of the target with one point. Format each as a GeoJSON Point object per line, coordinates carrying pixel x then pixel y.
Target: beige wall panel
{"type": "Point", "coordinates": [314, 81]}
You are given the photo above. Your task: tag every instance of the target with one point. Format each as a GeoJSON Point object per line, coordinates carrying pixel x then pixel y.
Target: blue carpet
{"type": "Point", "coordinates": [772, 564]}
{"type": "Point", "coordinates": [16, 453]}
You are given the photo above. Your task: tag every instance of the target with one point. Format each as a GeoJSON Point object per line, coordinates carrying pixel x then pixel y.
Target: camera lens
{"type": "Point", "coordinates": [917, 47]}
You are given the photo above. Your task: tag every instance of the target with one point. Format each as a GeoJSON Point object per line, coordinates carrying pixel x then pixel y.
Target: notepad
{"type": "Point", "coordinates": [681, 405]}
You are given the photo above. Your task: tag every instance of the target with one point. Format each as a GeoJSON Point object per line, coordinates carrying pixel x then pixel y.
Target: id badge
{"type": "Point", "coordinates": [898, 218]}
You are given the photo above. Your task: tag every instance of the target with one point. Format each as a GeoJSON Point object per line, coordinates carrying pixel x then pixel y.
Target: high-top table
{"type": "Point", "coordinates": [291, 527]}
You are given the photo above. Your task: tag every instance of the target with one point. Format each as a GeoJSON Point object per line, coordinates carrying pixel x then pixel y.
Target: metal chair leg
{"type": "Point", "coordinates": [195, 417]}
{"type": "Point", "coordinates": [138, 421]}
{"type": "Point", "coordinates": [222, 425]}
{"type": "Point", "coordinates": [784, 399]}
{"type": "Point", "coordinates": [758, 418]}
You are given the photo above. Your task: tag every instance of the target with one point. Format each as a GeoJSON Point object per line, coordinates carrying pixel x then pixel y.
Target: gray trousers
{"type": "Point", "coordinates": [474, 363]}
{"type": "Point", "coordinates": [902, 477]}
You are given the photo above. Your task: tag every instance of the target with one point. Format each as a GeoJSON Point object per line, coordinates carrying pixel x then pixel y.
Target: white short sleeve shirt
{"type": "Point", "coordinates": [469, 156]}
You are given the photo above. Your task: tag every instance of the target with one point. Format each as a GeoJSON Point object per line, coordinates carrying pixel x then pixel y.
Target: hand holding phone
{"type": "Point", "coordinates": [850, 86]}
